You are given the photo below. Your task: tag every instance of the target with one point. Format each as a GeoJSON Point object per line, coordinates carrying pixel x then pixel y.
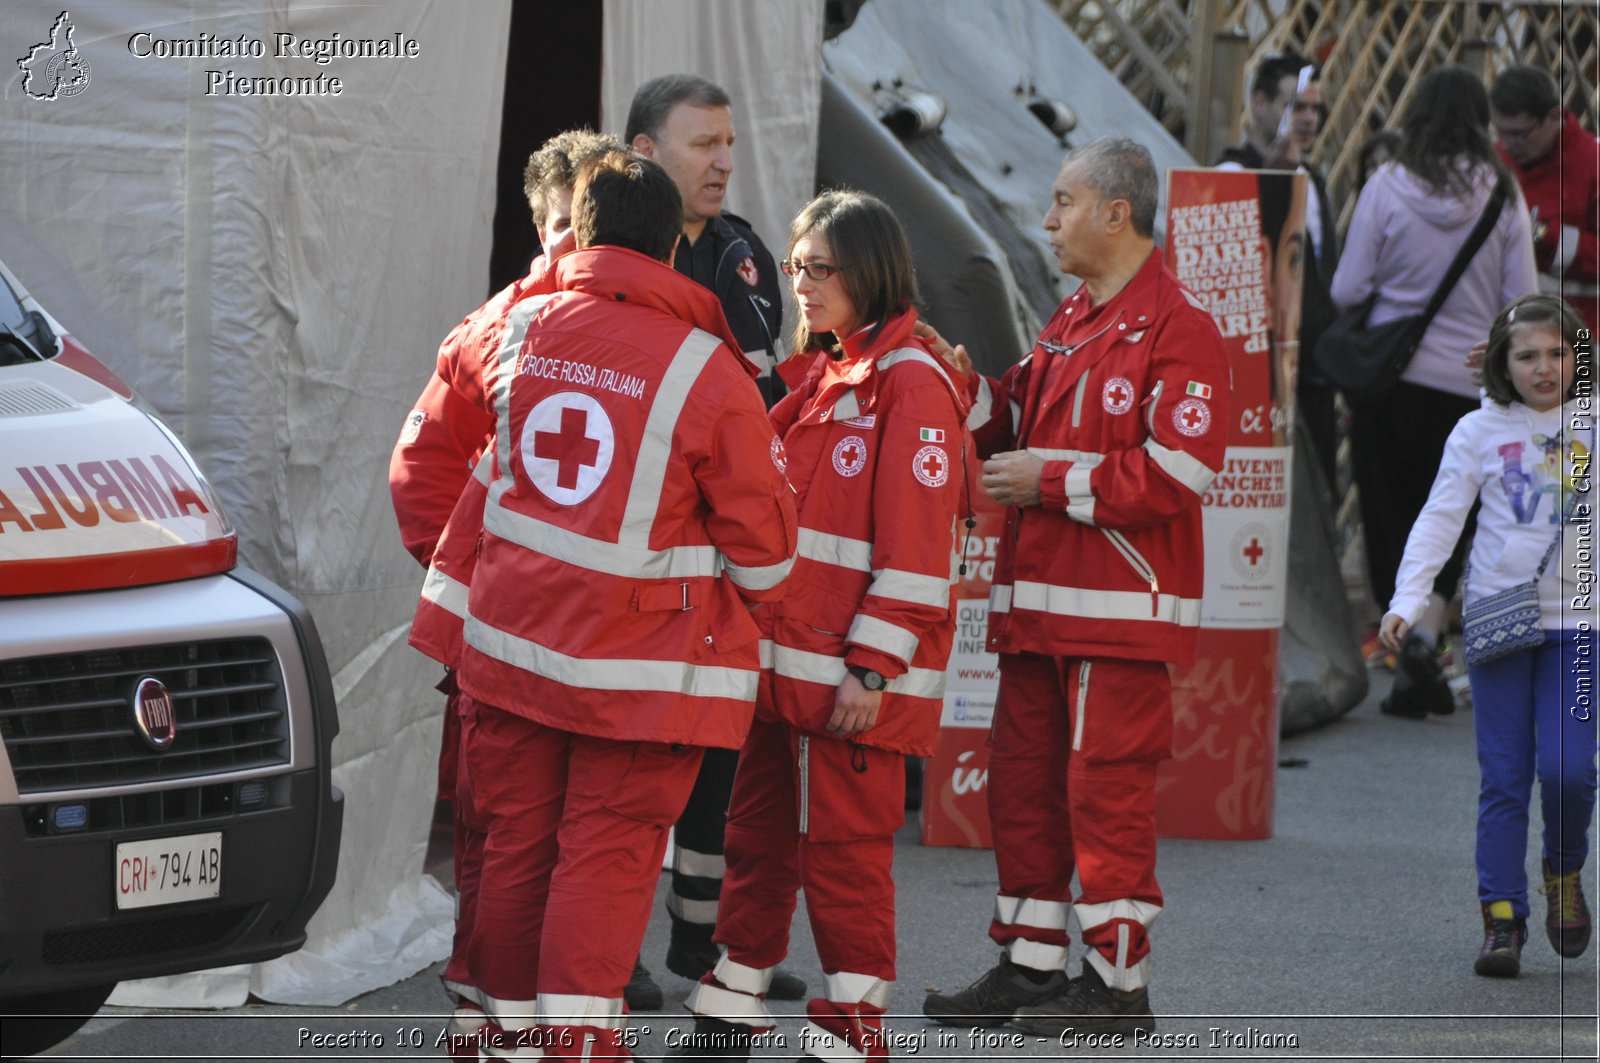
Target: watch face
{"type": "Point", "coordinates": [873, 681]}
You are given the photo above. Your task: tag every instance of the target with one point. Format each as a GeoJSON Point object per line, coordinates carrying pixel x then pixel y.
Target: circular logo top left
{"type": "Point", "coordinates": [567, 445]}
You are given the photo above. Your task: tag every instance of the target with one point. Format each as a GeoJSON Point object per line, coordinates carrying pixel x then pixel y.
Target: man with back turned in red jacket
{"type": "Point", "coordinates": [605, 642]}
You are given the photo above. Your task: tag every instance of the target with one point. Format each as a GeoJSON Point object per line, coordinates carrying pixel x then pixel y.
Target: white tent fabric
{"type": "Point", "coordinates": [765, 56]}
{"type": "Point", "coordinates": [273, 274]}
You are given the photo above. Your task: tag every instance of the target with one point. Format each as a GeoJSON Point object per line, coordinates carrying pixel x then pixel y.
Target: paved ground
{"type": "Point", "coordinates": [1348, 935]}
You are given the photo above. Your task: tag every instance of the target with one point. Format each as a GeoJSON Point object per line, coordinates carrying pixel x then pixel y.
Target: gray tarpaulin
{"type": "Point", "coordinates": [273, 274]}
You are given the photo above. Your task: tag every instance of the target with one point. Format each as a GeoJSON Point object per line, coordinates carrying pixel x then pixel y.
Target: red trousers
{"type": "Point", "coordinates": [467, 843]}
{"type": "Point", "coordinates": [575, 828]}
{"type": "Point", "coordinates": [819, 813]}
{"type": "Point", "coordinates": [1072, 787]}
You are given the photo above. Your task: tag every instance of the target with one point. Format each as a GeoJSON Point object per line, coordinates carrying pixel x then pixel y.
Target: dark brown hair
{"type": "Point", "coordinates": [1446, 122]}
{"type": "Point", "coordinates": [870, 251]}
{"type": "Point", "coordinates": [625, 200]}
{"type": "Point", "coordinates": [1533, 310]}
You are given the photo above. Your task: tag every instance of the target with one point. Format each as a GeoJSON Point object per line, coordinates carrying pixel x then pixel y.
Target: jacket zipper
{"type": "Point", "coordinates": [1140, 566]}
{"type": "Point", "coordinates": [805, 784]}
{"type": "Point", "coordinates": [1083, 702]}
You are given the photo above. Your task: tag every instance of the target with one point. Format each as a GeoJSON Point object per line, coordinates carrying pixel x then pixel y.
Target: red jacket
{"type": "Point", "coordinates": [438, 628]}
{"type": "Point", "coordinates": [444, 433]}
{"type": "Point", "coordinates": [625, 520]}
{"type": "Point", "coordinates": [1564, 188]}
{"type": "Point", "coordinates": [877, 462]}
{"type": "Point", "coordinates": [1127, 402]}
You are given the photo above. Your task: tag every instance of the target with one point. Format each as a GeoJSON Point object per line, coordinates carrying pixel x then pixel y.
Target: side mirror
{"type": "Point", "coordinates": [45, 340]}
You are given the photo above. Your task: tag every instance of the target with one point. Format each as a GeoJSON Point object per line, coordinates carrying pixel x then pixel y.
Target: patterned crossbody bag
{"type": "Point", "coordinates": [1508, 621]}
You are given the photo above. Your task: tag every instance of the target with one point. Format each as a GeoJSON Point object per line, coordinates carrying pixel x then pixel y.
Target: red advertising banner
{"type": "Point", "coordinates": [955, 780]}
{"type": "Point", "coordinates": [1236, 239]}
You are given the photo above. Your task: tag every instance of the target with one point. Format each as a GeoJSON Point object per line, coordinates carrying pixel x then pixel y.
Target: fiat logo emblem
{"type": "Point", "coordinates": [152, 712]}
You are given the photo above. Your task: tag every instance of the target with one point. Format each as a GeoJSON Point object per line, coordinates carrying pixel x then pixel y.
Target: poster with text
{"type": "Point", "coordinates": [1236, 239]}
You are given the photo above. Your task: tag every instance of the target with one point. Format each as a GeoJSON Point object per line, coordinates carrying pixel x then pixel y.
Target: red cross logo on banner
{"type": "Point", "coordinates": [1253, 552]}
{"type": "Point", "coordinates": [850, 456]}
{"type": "Point", "coordinates": [1118, 395]}
{"type": "Point", "coordinates": [1192, 417]}
{"type": "Point", "coordinates": [931, 466]}
{"type": "Point", "coordinates": [567, 446]}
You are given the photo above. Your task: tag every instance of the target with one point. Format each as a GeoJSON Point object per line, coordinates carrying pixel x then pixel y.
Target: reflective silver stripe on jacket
{"type": "Point", "coordinates": [882, 636]}
{"type": "Point", "coordinates": [1101, 605]}
{"type": "Point", "coordinates": [829, 671]}
{"type": "Point", "coordinates": [597, 555]}
{"type": "Point", "coordinates": [448, 594]}
{"type": "Point", "coordinates": [982, 407]}
{"type": "Point", "coordinates": [610, 673]}
{"type": "Point", "coordinates": [655, 448]}
{"type": "Point", "coordinates": [758, 577]}
{"type": "Point", "coordinates": [854, 554]}
{"type": "Point", "coordinates": [913, 587]}
{"type": "Point", "coordinates": [483, 469]}
{"type": "Point", "coordinates": [1182, 466]}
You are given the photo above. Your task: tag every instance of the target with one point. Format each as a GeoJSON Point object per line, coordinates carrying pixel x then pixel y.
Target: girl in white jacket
{"type": "Point", "coordinates": [1522, 455]}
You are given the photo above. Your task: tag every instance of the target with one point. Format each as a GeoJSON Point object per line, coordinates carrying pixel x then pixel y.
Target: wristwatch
{"type": "Point", "coordinates": [869, 679]}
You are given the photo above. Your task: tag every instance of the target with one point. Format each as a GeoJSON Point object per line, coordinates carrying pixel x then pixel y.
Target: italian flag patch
{"type": "Point", "coordinates": [1199, 390]}
{"type": "Point", "coordinates": [933, 435]}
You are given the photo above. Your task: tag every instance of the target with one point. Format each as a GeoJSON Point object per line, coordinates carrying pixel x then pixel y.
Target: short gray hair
{"type": "Point", "coordinates": [656, 98]}
{"type": "Point", "coordinates": [1121, 168]}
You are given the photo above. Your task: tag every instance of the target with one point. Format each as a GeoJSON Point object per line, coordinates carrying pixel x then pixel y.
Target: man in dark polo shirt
{"type": "Point", "coordinates": [685, 123]}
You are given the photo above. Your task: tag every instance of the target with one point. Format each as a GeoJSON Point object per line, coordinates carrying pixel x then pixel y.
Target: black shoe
{"type": "Point", "coordinates": [1503, 938]}
{"type": "Point", "coordinates": [1089, 1006]}
{"type": "Point", "coordinates": [694, 961]}
{"type": "Point", "coordinates": [1419, 683]}
{"type": "Point", "coordinates": [641, 992]}
{"type": "Point", "coordinates": [714, 1039]}
{"type": "Point", "coordinates": [994, 997]}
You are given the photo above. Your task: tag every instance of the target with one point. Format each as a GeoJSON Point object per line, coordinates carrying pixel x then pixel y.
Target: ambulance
{"type": "Point", "coordinates": [166, 714]}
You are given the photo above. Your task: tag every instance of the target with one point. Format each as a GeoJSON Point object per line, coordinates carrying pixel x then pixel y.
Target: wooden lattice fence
{"type": "Point", "coordinates": [1373, 54]}
{"type": "Point", "coordinates": [1186, 60]}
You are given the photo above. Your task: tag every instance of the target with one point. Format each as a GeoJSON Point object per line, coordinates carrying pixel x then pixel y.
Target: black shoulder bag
{"type": "Point", "coordinates": [1366, 361]}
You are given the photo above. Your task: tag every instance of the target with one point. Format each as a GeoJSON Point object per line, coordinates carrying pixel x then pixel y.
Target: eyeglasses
{"type": "Point", "coordinates": [817, 271]}
{"type": "Point", "coordinates": [1505, 132]}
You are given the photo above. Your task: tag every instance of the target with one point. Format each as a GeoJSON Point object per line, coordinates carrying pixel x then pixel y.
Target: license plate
{"type": "Point", "coordinates": [168, 870]}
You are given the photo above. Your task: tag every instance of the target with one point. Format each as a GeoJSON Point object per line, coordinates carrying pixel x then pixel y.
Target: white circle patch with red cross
{"type": "Point", "coordinates": [780, 457]}
{"type": "Point", "coordinates": [1118, 395]}
{"type": "Point", "coordinates": [931, 466]}
{"type": "Point", "coordinates": [567, 444]}
{"type": "Point", "coordinates": [1192, 417]}
{"type": "Point", "coordinates": [850, 456]}
{"type": "Point", "coordinates": [747, 270]}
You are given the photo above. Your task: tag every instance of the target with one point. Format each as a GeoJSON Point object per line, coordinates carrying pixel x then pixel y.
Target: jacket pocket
{"type": "Point", "coordinates": [1141, 568]}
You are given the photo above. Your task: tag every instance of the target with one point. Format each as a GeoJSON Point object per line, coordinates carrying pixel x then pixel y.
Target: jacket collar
{"type": "Point", "coordinates": [622, 275]}
{"type": "Point", "coordinates": [861, 375]}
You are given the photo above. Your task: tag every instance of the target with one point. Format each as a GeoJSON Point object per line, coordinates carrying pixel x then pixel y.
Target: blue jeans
{"type": "Point", "coordinates": [1534, 713]}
